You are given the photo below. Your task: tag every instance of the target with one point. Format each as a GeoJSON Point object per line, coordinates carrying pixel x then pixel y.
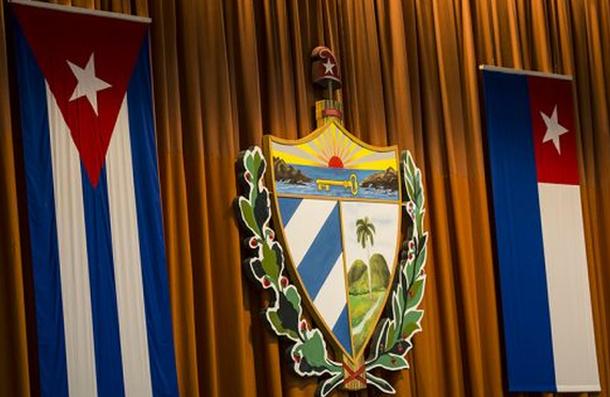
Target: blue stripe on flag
{"type": "Point", "coordinates": [104, 312]}
{"type": "Point", "coordinates": [341, 330]}
{"type": "Point", "coordinates": [150, 227]}
{"type": "Point", "coordinates": [288, 206]}
{"type": "Point", "coordinates": [41, 217]}
{"type": "Point", "coordinates": [527, 329]}
{"type": "Point", "coordinates": [322, 254]}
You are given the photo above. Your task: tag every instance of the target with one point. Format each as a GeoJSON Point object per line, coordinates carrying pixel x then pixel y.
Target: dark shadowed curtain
{"type": "Point", "coordinates": [228, 71]}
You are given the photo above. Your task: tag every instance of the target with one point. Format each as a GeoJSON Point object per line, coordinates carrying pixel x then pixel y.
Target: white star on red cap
{"type": "Point", "coordinates": [553, 129]}
{"type": "Point", "coordinates": [88, 84]}
{"type": "Point", "coordinates": [328, 67]}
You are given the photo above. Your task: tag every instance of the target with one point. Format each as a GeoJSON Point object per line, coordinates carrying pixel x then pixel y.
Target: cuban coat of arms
{"type": "Point", "coordinates": [336, 231]}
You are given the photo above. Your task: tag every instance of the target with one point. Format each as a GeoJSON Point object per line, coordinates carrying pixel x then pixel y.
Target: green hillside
{"type": "Point", "coordinates": [380, 275]}
{"type": "Point", "coordinates": [357, 278]}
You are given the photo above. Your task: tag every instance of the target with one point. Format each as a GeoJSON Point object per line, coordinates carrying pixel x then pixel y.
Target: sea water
{"type": "Point", "coordinates": [335, 174]}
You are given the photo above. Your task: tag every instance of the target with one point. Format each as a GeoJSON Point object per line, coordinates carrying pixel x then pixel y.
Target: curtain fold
{"type": "Point", "coordinates": [227, 72]}
{"type": "Point", "coordinates": [14, 374]}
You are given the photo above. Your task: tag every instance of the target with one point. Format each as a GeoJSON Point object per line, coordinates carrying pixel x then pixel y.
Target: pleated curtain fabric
{"type": "Point", "coordinates": [226, 72]}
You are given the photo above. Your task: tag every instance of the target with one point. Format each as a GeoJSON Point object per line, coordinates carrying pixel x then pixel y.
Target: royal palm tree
{"type": "Point", "coordinates": [365, 231]}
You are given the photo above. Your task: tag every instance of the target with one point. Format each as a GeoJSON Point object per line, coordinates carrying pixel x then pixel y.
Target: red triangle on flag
{"type": "Point", "coordinates": [87, 61]}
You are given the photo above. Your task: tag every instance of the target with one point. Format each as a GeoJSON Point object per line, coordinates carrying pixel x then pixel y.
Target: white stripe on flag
{"type": "Point", "coordinates": [127, 263]}
{"type": "Point", "coordinates": [73, 261]}
{"type": "Point", "coordinates": [332, 299]}
{"type": "Point", "coordinates": [568, 288]}
{"type": "Point", "coordinates": [305, 224]}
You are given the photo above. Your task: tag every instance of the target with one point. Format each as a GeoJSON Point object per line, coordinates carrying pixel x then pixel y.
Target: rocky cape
{"type": "Point", "coordinates": [387, 180]}
{"type": "Point", "coordinates": [285, 172]}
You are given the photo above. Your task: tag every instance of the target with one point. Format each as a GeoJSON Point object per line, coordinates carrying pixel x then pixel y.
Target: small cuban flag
{"type": "Point", "coordinates": [540, 240]}
{"type": "Point", "coordinates": [98, 253]}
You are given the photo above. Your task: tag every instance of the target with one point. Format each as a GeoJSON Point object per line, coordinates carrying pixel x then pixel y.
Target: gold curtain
{"type": "Point", "coordinates": [227, 71]}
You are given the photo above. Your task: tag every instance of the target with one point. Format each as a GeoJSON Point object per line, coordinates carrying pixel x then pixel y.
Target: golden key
{"type": "Point", "coordinates": [350, 184]}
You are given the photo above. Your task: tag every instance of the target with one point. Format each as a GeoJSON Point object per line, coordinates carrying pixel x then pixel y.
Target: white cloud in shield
{"type": "Point", "coordinates": [385, 218]}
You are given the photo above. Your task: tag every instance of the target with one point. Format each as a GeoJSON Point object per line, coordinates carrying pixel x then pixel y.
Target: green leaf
{"type": "Point", "coordinates": [416, 293]}
{"type": "Point", "coordinates": [247, 215]}
{"type": "Point", "coordinates": [271, 261]}
{"type": "Point", "coordinates": [391, 334]}
{"type": "Point", "coordinates": [391, 362]}
{"type": "Point", "coordinates": [260, 164]}
{"type": "Point", "coordinates": [276, 323]}
{"type": "Point", "coordinates": [330, 384]}
{"type": "Point", "coordinates": [410, 191]}
{"type": "Point", "coordinates": [253, 160]}
{"type": "Point", "coordinates": [410, 328]}
{"type": "Point", "coordinates": [407, 160]}
{"type": "Point", "coordinates": [293, 297]}
{"type": "Point", "coordinates": [313, 350]}
{"type": "Point", "coordinates": [419, 221]}
{"type": "Point", "coordinates": [289, 313]}
{"type": "Point", "coordinates": [398, 302]}
{"type": "Point", "coordinates": [410, 323]}
{"type": "Point", "coordinates": [261, 210]}
{"type": "Point", "coordinates": [408, 271]}
{"type": "Point", "coordinates": [377, 344]}
{"type": "Point", "coordinates": [420, 260]}
{"type": "Point", "coordinates": [411, 162]}
{"type": "Point", "coordinates": [413, 316]}
{"type": "Point", "coordinates": [397, 313]}
{"type": "Point", "coordinates": [248, 162]}
{"type": "Point", "coordinates": [379, 383]}
{"type": "Point", "coordinates": [418, 198]}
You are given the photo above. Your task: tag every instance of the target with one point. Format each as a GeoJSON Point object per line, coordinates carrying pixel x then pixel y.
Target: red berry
{"type": "Point", "coordinates": [266, 282]}
{"type": "Point", "coordinates": [411, 244]}
{"type": "Point", "coordinates": [303, 325]}
{"type": "Point", "coordinates": [284, 281]}
{"type": "Point", "coordinates": [297, 358]}
{"type": "Point", "coordinates": [411, 256]}
{"type": "Point", "coordinates": [253, 243]}
{"type": "Point", "coordinates": [271, 235]}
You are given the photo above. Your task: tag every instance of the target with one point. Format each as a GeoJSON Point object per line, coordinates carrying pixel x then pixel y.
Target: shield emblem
{"type": "Point", "coordinates": [338, 202]}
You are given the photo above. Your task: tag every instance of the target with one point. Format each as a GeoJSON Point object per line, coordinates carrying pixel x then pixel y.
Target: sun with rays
{"type": "Point", "coordinates": [332, 148]}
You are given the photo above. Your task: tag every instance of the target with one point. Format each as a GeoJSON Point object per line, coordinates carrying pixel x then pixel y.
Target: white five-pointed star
{"type": "Point", "coordinates": [87, 83]}
{"type": "Point", "coordinates": [553, 129]}
{"type": "Point", "coordinates": [328, 66]}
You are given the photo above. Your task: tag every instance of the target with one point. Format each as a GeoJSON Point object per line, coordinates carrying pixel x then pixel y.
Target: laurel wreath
{"type": "Point", "coordinates": [392, 338]}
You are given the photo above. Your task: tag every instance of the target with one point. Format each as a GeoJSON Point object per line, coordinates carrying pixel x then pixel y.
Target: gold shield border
{"type": "Point", "coordinates": [270, 175]}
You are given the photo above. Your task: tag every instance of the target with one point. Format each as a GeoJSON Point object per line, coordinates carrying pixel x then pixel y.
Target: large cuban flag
{"type": "Point", "coordinates": [546, 303]}
{"type": "Point", "coordinates": [98, 254]}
